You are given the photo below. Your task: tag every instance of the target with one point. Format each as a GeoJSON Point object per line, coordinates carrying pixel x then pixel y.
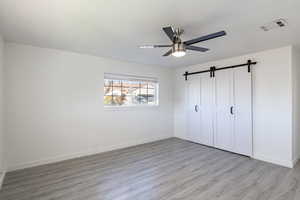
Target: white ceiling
{"type": "Point", "coordinates": [115, 28]}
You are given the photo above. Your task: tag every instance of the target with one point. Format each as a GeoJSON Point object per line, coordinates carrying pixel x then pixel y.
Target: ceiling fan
{"type": "Point", "coordinates": [178, 48]}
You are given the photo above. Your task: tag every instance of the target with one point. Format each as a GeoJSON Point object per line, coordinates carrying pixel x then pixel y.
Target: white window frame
{"type": "Point", "coordinates": [132, 78]}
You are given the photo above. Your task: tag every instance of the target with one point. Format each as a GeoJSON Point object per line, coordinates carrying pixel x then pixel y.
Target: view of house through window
{"type": "Point", "coordinates": [122, 90]}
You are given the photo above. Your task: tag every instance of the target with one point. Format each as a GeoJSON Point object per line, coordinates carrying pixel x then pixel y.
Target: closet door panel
{"type": "Point", "coordinates": [207, 108]}
{"type": "Point", "coordinates": [224, 137]}
{"type": "Point", "coordinates": [193, 111]}
{"type": "Point", "coordinates": [243, 111]}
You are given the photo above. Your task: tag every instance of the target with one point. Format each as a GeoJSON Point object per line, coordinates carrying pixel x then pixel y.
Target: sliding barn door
{"type": "Point", "coordinates": [242, 111]}
{"type": "Point", "coordinates": [233, 124]}
{"type": "Point", "coordinates": [200, 109]}
{"type": "Point", "coordinates": [193, 112]}
{"type": "Point", "coordinates": [206, 109]}
{"type": "Point", "coordinates": [224, 123]}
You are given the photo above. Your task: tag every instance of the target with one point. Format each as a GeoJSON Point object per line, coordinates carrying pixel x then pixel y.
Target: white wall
{"type": "Point", "coordinates": [2, 165]}
{"type": "Point", "coordinates": [296, 100]}
{"type": "Point", "coordinates": [272, 103]}
{"type": "Point", "coordinates": [55, 111]}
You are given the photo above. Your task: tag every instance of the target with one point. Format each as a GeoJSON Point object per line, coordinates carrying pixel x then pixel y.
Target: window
{"type": "Point", "coordinates": [123, 90]}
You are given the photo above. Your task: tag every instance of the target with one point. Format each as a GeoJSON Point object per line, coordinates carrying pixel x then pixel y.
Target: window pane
{"type": "Point", "coordinates": [133, 84]}
{"type": "Point", "coordinates": [117, 83]}
{"type": "Point", "coordinates": [107, 91]}
{"type": "Point", "coordinates": [127, 84]}
{"type": "Point", "coordinates": [151, 96]}
{"type": "Point", "coordinates": [108, 82]}
{"type": "Point", "coordinates": [129, 100]}
{"type": "Point", "coordinates": [143, 96]}
{"type": "Point", "coordinates": [144, 85]}
{"type": "Point", "coordinates": [136, 98]}
{"type": "Point", "coordinates": [117, 91]}
{"type": "Point", "coordinates": [151, 85]}
{"type": "Point", "coordinates": [107, 100]}
{"type": "Point", "coordinates": [119, 100]}
{"type": "Point", "coordinates": [151, 92]}
{"type": "Point", "coordinates": [126, 92]}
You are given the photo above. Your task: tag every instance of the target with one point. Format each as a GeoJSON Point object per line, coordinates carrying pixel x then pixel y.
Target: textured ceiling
{"type": "Point", "coordinates": [115, 28]}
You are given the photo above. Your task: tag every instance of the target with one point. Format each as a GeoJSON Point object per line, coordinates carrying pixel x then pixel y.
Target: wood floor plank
{"type": "Point", "coordinates": [169, 169]}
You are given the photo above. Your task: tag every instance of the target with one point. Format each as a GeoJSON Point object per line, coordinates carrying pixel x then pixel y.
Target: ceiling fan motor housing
{"type": "Point", "coordinates": [178, 47]}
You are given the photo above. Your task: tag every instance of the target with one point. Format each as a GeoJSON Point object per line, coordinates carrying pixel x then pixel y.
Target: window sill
{"type": "Point", "coordinates": [129, 108]}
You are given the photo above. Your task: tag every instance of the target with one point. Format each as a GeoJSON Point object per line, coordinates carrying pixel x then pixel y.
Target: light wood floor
{"type": "Point", "coordinates": [163, 170]}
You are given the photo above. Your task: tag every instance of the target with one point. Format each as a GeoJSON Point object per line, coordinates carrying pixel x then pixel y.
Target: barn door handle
{"type": "Point", "coordinates": [231, 110]}
{"type": "Point", "coordinates": [196, 108]}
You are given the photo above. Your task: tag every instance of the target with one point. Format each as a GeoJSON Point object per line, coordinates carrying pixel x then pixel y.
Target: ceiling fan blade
{"type": "Point", "coordinates": [159, 46]}
{"type": "Point", "coordinates": [194, 48]}
{"type": "Point", "coordinates": [154, 46]}
{"type": "Point", "coordinates": [168, 53]}
{"type": "Point", "coordinates": [204, 38]}
{"type": "Point", "coordinates": [169, 31]}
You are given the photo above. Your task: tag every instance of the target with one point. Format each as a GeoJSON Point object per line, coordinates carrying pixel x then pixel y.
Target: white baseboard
{"type": "Point", "coordinates": [91, 151]}
{"type": "Point", "coordinates": [182, 138]}
{"type": "Point", "coordinates": [96, 150]}
{"type": "Point", "coordinates": [2, 176]}
{"type": "Point", "coordinates": [284, 163]}
{"type": "Point", "coordinates": [295, 161]}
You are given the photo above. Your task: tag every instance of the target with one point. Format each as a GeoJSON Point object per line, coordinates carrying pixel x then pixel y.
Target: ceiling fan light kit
{"type": "Point", "coordinates": [178, 48]}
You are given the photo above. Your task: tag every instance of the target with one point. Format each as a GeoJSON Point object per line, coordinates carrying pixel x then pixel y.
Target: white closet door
{"type": "Point", "coordinates": [206, 109]}
{"type": "Point", "coordinates": [224, 125]}
{"type": "Point", "coordinates": [193, 114]}
{"type": "Point", "coordinates": [243, 111]}
{"type": "Point", "coordinates": [200, 109]}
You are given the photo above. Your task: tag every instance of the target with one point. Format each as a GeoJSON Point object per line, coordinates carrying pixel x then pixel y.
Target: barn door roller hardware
{"type": "Point", "coordinates": [212, 70]}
